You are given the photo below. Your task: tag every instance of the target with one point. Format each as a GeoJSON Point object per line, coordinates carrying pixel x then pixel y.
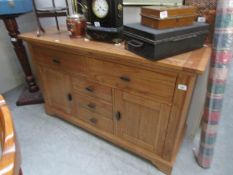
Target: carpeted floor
{"type": "Point", "coordinates": [53, 147]}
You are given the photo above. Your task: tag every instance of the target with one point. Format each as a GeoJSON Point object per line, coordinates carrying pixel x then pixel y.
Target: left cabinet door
{"type": "Point", "coordinates": [56, 88]}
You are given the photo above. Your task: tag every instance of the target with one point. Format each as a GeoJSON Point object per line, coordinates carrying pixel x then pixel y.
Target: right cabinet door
{"type": "Point", "coordinates": [141, 122]}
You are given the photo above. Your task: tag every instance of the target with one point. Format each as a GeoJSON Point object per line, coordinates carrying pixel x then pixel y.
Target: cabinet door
{"type": "Point", "coordinates": [141, 122]}
{"type": "Point", "coordinates": [56, 88]}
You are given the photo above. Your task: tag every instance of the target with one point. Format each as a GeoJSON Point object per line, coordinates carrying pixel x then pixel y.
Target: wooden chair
{"type": "Point", "coordinates": [10, 156]}
{"type": "Point", "coordinates": [53, 11]}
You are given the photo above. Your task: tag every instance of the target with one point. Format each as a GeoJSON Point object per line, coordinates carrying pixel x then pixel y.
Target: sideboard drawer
{"type": "Point", "coordinates": [61, 60]}
{"type": "Point", "coordinates": [95, 120]}
{"type": "Point", "coordinates": [81, 84]}
{"type": "Point", "coordinates": [94, 104]}
{"type": "Point", "coordinates": [154, 85]}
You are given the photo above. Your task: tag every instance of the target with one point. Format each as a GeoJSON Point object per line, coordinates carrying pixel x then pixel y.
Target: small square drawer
{"type": "Point", "coordinates": [94, 104]}
{"type": "Point", "coordinates": [82, 85]}
{"type": "Point", "coordinates": [60, 60]}
{"type": "Point", "coordinates": [95, 120]}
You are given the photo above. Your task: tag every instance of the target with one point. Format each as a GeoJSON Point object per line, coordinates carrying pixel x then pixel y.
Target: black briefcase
{"type": "Point", "coordinates": [156, 44]}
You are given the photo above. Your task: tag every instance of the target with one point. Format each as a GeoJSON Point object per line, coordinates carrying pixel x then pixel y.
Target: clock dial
{"type": "Point", "coordinates": [100, 8]}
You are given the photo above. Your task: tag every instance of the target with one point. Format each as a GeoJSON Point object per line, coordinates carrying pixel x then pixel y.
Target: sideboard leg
{"type": "Point", "coordinates": [20, 171]}
{"type": "Point", "coordinates": [167, 169]}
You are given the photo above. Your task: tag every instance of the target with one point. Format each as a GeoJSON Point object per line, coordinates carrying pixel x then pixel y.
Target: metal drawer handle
{"type": "Point", "coordinates": [125, 78]}
{"type": "Point", "coordinates": [118, 116]}
{"type": "Point", "coordinates": [93, 120]}
{"type": "Point", "coordinates": [56, 61]}
{"type": "Point", "coordinates": [91, 105]}
{"type": "Point", "coordinates": [90, 89]}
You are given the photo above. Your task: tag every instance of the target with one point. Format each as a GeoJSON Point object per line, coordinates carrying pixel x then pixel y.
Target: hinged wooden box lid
{"type": "Point", "coordinates": [161, 17]}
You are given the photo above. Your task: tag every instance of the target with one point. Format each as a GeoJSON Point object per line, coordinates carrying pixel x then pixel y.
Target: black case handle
{"type": "Point", "coordinates": [135, 43]}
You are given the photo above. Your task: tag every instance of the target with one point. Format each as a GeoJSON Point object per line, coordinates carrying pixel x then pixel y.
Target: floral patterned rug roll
{"type": "Point", "coordinates": [206, 8]}
{"type": "Point", "coordinates": [221, 56]}
{"type": "Point", "coordinates": [203, 5]}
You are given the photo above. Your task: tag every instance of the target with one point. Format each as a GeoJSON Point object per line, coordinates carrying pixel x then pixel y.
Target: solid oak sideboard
{"type": "Point", "coordinates": [138, 104]}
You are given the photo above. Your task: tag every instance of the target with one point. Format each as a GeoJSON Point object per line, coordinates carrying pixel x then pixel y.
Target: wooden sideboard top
{"type": "Point", "coordinates": [193, 62]}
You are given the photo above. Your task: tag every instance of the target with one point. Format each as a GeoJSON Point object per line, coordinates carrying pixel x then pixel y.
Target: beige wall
{"type": "Point", "coordinates": [133, 14]}
{"type": "Point", "coordinates": [11, 74]}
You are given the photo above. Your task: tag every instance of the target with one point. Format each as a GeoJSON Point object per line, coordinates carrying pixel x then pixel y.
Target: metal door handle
{"type": "Point", "coordinates": [118, 116]}
{"type": "Point", "coordinates": [69, 96]}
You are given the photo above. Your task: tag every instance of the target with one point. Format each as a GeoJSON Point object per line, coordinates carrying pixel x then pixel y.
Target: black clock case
{"type": "Point", "coordinates": [114, 18]}
{"type": "Point", "coordinates": [111, 27]}
{"type": "Point", "coordinates": [114, 35]}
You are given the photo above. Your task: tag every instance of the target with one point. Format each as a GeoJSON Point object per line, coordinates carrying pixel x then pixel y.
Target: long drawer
{"type": "Point", "coordinates": [94, 104]}
{"type": "Point", "coordinates": [60, 60]}
{"type": "Point", "coordinates": [83, 85]}
{"type": "Point", "coordinates": [94, 119]}
{"type": "Point", "coordinates": [154, 85]}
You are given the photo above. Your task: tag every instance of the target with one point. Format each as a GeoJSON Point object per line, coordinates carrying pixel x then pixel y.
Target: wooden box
{"type": "Point", "coordinates": [161, 17]}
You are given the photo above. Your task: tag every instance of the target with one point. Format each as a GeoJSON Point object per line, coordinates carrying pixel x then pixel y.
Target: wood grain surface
{"type": "Point", "coordinates": [10, 157]}
{"type": "Point", "coordinates": [194, 61]}
{"type": "Point", "coordinates": [138, 104]}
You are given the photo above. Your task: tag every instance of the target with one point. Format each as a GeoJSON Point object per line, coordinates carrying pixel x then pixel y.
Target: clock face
{"type": "Point", "coordinates": [100, 8]}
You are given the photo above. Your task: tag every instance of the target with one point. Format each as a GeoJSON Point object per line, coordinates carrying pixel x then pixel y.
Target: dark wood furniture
{"type": "Point", "coordinates": [10, 162]}
{"type": "Point", "coordinates": [31, 94]}
{"type": "Point", "coordinates": [12, 28]}
{"type": "Point", "coordinates": [135, 103]}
